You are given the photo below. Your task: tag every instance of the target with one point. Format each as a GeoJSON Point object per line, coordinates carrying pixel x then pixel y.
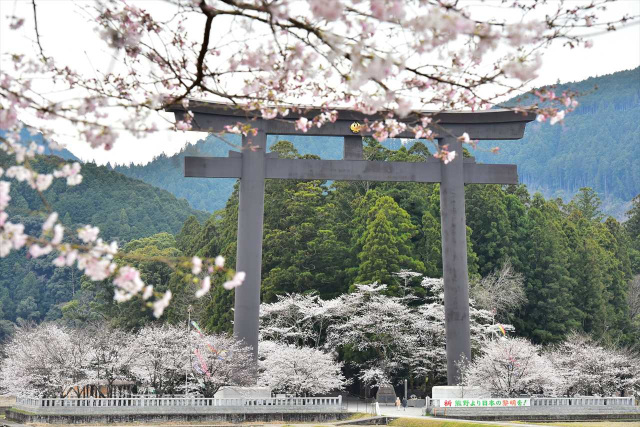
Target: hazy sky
{"type": "Point", "coordinates": [64, 28]}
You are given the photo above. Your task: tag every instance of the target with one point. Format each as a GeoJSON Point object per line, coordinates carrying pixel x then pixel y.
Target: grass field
{"type": "Point", "coordinates": [415, 422]}
{"type": "Point", "coordinates": [593, 424]}
{"type": "Point", "coordinates": [358, 415]}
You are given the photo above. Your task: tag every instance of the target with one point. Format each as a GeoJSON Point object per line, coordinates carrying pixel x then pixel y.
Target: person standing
{"type": "Point", "coordinates": [398, 403]}
{"type": "Point", "coordinates": [404, 403]}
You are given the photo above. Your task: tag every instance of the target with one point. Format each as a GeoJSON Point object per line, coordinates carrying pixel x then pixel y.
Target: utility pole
{"type": "Point", "coordinates": [186, 371]}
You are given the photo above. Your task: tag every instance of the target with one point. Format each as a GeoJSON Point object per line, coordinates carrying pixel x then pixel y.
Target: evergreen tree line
{"type": "Point", "coordinates": [325, 237]}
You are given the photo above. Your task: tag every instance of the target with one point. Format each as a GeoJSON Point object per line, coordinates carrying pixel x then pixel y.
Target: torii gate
{"type": "Point", "coordinates": [253, 165]}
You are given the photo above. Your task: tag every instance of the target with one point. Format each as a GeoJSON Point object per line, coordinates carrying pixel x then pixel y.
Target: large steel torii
{"type": "Point", "coordinates": [253, 165]}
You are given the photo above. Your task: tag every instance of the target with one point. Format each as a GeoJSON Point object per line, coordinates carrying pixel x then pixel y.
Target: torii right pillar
{"type": "Point", "coordinates": [454, 260]}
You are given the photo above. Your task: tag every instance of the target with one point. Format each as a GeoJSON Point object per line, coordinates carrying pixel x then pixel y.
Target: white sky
{"type": "Point", "coordinates": [68, 37]}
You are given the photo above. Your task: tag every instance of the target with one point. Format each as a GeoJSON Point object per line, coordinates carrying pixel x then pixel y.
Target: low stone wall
{"type": "Point", "coordinates": [234, 418]}
{"type": "Point", "coordinates": [161, 410]}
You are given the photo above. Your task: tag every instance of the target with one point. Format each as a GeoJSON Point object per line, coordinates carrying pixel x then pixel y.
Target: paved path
{"type": "Point", "coordinates": [8, 423]}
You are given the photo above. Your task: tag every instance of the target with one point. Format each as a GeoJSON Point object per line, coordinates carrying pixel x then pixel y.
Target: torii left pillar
{"type": "Point", "coordinates": [250, 230]}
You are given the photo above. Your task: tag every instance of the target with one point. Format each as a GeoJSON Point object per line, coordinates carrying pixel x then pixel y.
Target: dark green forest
{"type": "Point", "coordinates": [596, 147]}
{"type": "Point", "coordinates": [325, 237]}
{"type": "Point", "coordinates": [123, 208]}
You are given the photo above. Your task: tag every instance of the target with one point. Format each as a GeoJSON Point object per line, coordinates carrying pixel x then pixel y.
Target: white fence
{"type": "Point", "coordinates": [583, 401]}
{"type": "Point", "coordinates": [567, 401]}
{"type": "Point", "coordinates": [178, 405]}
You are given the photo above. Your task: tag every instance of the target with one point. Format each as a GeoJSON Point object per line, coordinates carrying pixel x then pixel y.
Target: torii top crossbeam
{"type": "Point", "coordinates": [213, 117]}
{"type": "Point", "coordinates": [253, 165]}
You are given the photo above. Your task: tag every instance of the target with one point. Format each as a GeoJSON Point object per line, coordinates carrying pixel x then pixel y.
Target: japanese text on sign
{"type": "Point", "coordinates": [484, 403]}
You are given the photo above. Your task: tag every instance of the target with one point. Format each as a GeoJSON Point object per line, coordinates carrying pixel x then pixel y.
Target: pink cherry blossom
{"type": "Point", "coordinates": [96, 269]}
{"type": "Point", "coordinates": [16, 22]}
{"type": "Point", "coordinates": [521, 69]}
{"type": "Point", "coordinates": [525, 33]}
{"type": "Point", "coordinates": [128, 283]}
{"type": "Point", "coordinates": [59, 261]}
{"type": "Point", "coordinates": [197, 265]}
{"type": "Point", "coordinates": [5, 198]}
{"type": "Point", "coordinates": [269, 113]}
{"type": "Point", "coordinates": [19, 173]}
{"type": "Point", "coordinates": [11, 236]}
{"type": "Point", "coordinates": [88, 233]}
{"type": "Point", "coordinates": [51, 220]}
{"type": "Point", "coordinates": [237, 280]}
{"type": "Point", "coordinates": [303, 124]}
{"type": "Point", "coordinates": [558, 117]}
{"type": "Point", "coordinates": [58, 232]}
{"type": "Point", "coordinates": [449, 157]}
{"type": "Point", "coordinates": [445, 155]}
{"type": "Point", "coordinates": [8, 118]}
{"type": "Point", "coordinates": [404, 107]}
{"type": "Point", "coordinates": [71, 172]}
{"type": "Point", "coordinates": [121, 296]}
{"type": "Point", "coordinates": [182, 125]}
{"type": "Point", "coordinates": [66, 258]}
{"type": "Point", "coordinates": [161, 304]}
{"type": "Point", "coordinates": [36, 250]}
{"type": "Point", "coordinates": [219, 261]}
{"type": "Point", "coordinates": [378, 9]}
{"type": "Point", "coordinates": [204, 288]}
{"type": "Point", "coordinates": [421, 132]}
{"type": "Point", "coordinates": [330, 10]}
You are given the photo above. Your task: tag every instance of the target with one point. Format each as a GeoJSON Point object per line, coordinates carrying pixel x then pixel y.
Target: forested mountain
{"type": "Point", "coordinates": [325, 237]}
{"type": "Point", "coordinates": [123, 209]}
{"type": "Point", "coordinates": [167, 173]}
{"type": "Point", "coordinates": [596, 147]}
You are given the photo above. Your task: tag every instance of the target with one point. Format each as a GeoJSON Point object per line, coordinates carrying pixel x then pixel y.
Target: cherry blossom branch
{"type": "Point", "coordinates": [35, 27]}
{"type": "Point", "coordinates": [373, 57]}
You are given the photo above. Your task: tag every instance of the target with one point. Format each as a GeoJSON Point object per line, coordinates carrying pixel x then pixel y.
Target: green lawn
{"type": "Point", "coordinates": [415, 422]}
{"type": "Point", "coordinates": [358, 415]}
{"type": "Point", "coordinates": [594, 424]}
